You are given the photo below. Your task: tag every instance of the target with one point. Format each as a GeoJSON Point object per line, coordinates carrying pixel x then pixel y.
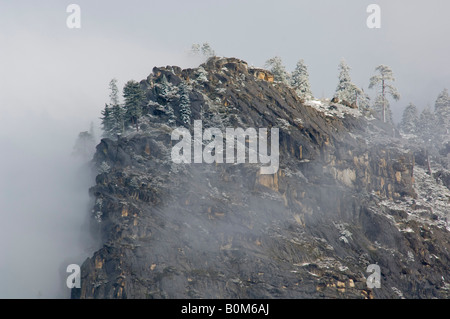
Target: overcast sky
{"type": "Point", "coordinates": [54, 82]}
{"type": "Point", "coordinates": [66, 71]}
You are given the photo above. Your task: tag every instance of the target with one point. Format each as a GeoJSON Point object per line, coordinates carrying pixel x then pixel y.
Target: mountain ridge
{"type": "Point", "coordinates": [345, 197]}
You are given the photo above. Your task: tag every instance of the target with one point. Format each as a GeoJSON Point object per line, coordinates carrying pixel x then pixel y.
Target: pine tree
{"type": "Point", "coordinates": [113, 115]}
{"type": "Point", "coordinates": [195, 49]}
{"type": "Point", "coordinates": [164, 86]}
{"type": "Point", "coordinates": [442, 110]}
{"type": "Point", "coordinates": [383, 80]}
{"type": "Point", "coordinates": [426, 125]}
{"type": "Point", "coordinates": [165, 92]}
{"type": "Point", "coordinates": [202, 74]}
{"type": "Point", "coordinates": [382, 109]}
{"type": "Point", "coordinates": [275, 65]}
{"type": "Point", "coordinates": [134, 98]}
{"type": "Point", "coordinates": [84, 146]}
{"type": "Point", "coordinates": [346, 90]}
{"type": "Point", "coordinates": [117, 114]}
{"type": "Point", "coordinates": [114, 92]}
{"type": "Point", "coordinates": [116, 111]}
{"type": "Point", "coordinates": [363, 100]}
{"type": "Point", "coordinates": [410, 119]}
{"type": "Point", "coordinates": [107, 121]}
{"type": "Point", "coordinates": [185, 105]}
{"type": "Point", "coordinates": [207, 50]}
{"type": "Point", "coordinates": [300, 80]}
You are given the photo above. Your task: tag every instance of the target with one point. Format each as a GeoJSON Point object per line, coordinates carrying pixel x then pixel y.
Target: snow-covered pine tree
{"type": "Point", "coordinates": [342, 89]}
{"type": "Point", "coordinates": [382, 109]}
{"type": "Point", "coordinates": [165, 92]}
{"type": "Point", "coordinates": [202, 75]}
{"type": "Point", "coordinates": [134, 98]}
{"type": "Point", "coordinates": [185, 105]}
{"type": "Point", "coordinates": [207, 50]}
{"type": "Point", "coordinates": [117, 112]}
{"type": "Point", "coordinates": [346, 90]}
{"type": "Point", "coordinates": [107, 121]}
{"type": "Point", "coordinates": [382, 80]}
{"type": "Point", "coordinates": [84, 146]}
{"type": "Point", "coordinates": [170, 113]}
{"type": "Point", "coordinates": [118, 115]}
{"type": "Point", "coordinates": [164, 87]}
{"type": "Point", "coordinates": [410, 119]}
{"type": "Point", "coordinates": [114, 92]}
{"type": "Point", "coordinates": [426, 125]}
{"type": "Point", "coordinates": [442, 110]}
{"type": "Point", "coordinates": [195, 49]}
{"type": "Point", "coordinates": [300, 80]}
{"type": "Point", "coordinates": [275, 65]}
{"type": "Point", "coordinates": [104, 168]}
{"type": "Point", "coordinates": [204, 51]}
{"type": "Point", "coordinates": [363, 100]}
{"type": "Point", "coordinates": [442, 101]}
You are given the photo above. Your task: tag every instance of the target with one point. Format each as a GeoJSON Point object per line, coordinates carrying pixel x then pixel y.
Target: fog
{"type": "Point", "coordinates": [54, 80]}
{"type": "Point", "coordinates": [51, 89]}
{"type": "Point", "coordinates": [44, 204]}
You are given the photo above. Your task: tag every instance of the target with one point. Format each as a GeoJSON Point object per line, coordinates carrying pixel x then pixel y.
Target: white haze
{"type": "Point", "coordinates": [44, 205]}
{"type": "Point", "coordinates": [50, 91]}
{"type": "Point", "coordinates": [53, 83]}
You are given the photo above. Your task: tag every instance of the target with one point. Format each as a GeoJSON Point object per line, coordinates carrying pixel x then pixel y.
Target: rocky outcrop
{"type": "Point", "coordinates": [346, 196]}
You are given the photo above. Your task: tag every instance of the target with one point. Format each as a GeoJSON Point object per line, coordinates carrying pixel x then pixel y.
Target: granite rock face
{"type": "Point", "coordinates": [347, 195]}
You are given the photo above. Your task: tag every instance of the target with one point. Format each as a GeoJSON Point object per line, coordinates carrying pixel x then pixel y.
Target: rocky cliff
{"type": "Point", "coordinates": [349, 192]}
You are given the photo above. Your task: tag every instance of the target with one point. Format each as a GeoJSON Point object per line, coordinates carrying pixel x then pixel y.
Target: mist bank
{"type": "Point", "coordinates": [45, 205]}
